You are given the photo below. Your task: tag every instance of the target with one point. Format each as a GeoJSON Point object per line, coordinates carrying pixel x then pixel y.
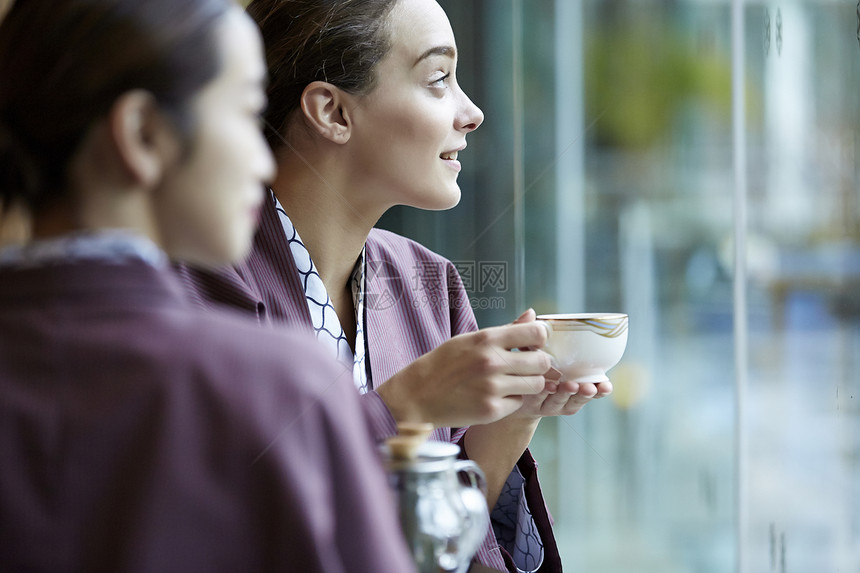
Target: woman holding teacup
{"type": "Point", "coordinates": [365, 113]}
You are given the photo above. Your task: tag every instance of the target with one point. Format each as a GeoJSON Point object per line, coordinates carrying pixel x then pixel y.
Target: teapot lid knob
{"type": "Point", "coordinates": [410, 436]}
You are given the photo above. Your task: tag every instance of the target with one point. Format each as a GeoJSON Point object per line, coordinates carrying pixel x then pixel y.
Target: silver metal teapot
{"type": "Point", "coordinates": [444, 520]}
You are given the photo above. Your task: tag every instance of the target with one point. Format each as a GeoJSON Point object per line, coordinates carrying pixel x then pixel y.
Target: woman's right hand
{"type": "Point", "coordinates": [473, 378]}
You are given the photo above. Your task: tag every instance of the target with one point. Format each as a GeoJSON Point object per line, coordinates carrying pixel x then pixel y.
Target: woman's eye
{"type": "Point", "coordinates": [440, 81]}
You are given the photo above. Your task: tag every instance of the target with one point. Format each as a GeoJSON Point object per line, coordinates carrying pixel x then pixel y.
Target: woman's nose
{"type": "Point", "coordinates": [471, 115]}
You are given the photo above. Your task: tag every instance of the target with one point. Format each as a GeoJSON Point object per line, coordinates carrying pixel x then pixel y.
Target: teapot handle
{"type": "Point", "coordinates": [476, 477]}
{"type": "Point", "coordinates": [477, 518]}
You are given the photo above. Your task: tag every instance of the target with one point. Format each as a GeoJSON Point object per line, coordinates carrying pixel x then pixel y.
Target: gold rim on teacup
{"type": "Point", "coordinates": [609, 325]}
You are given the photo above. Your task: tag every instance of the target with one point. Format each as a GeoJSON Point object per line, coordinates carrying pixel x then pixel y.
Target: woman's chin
{"type": "Point", "coordinates": [440, 202]}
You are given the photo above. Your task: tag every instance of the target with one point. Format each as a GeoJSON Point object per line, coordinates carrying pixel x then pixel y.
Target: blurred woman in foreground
{"type": "Point", "coordinates": [137, 434]}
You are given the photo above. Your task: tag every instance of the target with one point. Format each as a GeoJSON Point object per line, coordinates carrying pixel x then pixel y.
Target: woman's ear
{"type": "Point", "coordinates": [147, 144]}
{"type": "Point", "coordinates": [323, 106]}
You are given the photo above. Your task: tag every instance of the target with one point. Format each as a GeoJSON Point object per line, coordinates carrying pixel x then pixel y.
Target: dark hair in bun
{"type": "Point", "coordinates": [64, 63]}
{"type": "Point", "coordinates": [336, 41]}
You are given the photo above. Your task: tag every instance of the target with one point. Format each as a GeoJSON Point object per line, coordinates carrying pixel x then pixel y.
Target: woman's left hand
{"type": "Point", "coordinates": [562, 398]}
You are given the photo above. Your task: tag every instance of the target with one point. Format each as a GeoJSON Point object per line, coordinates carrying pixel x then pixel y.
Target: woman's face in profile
{"type": "Point", "coordinates": [410, 127]}
{"type": "Point", "coordinates": [208, 206]}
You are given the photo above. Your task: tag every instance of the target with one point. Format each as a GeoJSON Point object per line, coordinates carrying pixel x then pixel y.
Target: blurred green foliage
{"type": "Point", "coordinates": [640, 75]}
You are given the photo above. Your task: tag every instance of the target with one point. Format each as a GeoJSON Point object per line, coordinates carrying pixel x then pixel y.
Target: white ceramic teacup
{"type": "Point", "coordinates": [585, 345]}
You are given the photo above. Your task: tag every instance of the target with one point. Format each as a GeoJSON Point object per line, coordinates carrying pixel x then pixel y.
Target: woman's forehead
{"type": "Point", "coordinates": [242, 46]}
{"type": "Point", "coordinates": [242, 61]}
{"type": "Point", "coordinates": [417, 26]}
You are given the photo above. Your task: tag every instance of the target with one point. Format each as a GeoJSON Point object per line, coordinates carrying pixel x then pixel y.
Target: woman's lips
{"type": "Point", "coordinates": [450, 158]}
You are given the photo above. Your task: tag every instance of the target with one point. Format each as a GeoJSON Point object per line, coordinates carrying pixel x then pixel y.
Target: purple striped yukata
{"type": "Point", "coordinates": [408, 313]}
{"type": "Point", "coordinates": [126, 444]}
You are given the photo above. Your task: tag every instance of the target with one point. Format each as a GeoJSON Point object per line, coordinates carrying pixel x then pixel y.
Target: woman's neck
{"type": "Point", "coordinates": [93, 211]}
{"type": "Point", "coordinates": [332, 225]}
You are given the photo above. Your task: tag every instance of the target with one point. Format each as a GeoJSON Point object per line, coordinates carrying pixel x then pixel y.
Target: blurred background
{"type": "Point", "coordinates": [602, 180]}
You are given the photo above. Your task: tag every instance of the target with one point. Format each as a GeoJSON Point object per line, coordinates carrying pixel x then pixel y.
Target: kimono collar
{"type": "Point", "coordinates": [113, 246]}
{"type": "Point", "coordinates": [324, 319]}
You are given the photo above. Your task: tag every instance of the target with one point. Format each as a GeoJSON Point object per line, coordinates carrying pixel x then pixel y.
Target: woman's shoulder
{"type": "Point", "coordinates": [385, 245]}
{"type": "Point", "coordinates": [222, 346]}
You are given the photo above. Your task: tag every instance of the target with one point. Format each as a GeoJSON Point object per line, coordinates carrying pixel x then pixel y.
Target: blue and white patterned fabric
{"type": "Point", "coordinates": [325, 321]}
{"type": "Point", "coordinates": [514, 527]}
{"type": "Point", "coordinates": [108, 246]}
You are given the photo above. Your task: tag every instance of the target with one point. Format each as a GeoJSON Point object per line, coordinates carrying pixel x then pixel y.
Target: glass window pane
{"type": "Point", "coordinates": [608, 131]}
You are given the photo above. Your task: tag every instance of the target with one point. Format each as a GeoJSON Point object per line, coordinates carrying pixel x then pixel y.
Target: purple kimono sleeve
{"type": "Point", "coordinates": [380, 422]}
{"type": "Point", "coordinates": [463, 320]}
{"type": "Point", "coordinates": [344, 496]}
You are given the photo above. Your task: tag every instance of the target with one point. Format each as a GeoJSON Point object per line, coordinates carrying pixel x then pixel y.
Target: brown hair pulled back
{"type": "Point", "coordinates": [336, 41]}
{"type": "Point", "coordinates": [63, 64]}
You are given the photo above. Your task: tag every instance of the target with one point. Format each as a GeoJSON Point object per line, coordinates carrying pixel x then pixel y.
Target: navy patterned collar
{"type": "Point", "coordinates": [325, 322]}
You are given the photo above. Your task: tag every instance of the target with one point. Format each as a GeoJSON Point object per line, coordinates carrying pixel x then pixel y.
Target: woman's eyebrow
{"type": "Point", "coordinates": [449, 51]}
